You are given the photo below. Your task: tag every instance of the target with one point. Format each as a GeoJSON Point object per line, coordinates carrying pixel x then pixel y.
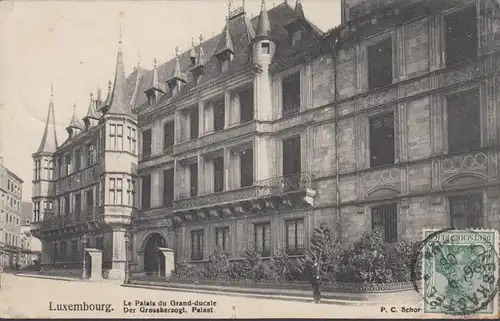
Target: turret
{"type": "Point", "coordinates": [263, 48]}
{"type": "Point", "coordinates": [155, 90]}
{"type": "Point", "coordinates": [75, 125]}
{"type": "Point", "coordinates": [44, 164]}
{"type": "Point", "coordinates": [178, 78]}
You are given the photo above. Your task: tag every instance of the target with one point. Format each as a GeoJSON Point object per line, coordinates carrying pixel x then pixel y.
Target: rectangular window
{"type": "Point", "coordinates": [102, 139]}
{"type": "Point", "coordinates": [146, 191]}
{"type": "Point", "coordinates": [132, 139]}
{"type": "Point", "coordinates": [90, 154]}
{"type": "Point", "coordinates": [380, 64]}
{"type": "Point", "coordinates": [246, 105]}
{"type": "Point", "coordinates": [246, 167]}
{"type": "Point", "coordinates": [464, 122]}
{"type": "Point", "coordinates": [291, 163]}
{"type": "Point", "coordinates": [193, 179]}
{"type": "Point", "coordinates": [197, 245]}
{"type": "Point", "coordinates": [461, 40]}
{"type": "Point", "coordinates": [291, 94]}
{"type": "Point", "coordinates": [66, 205]}
{"type": "Point", "coordinates": [296, 37]}
{"type": "Point", "coordinates": [77, 206]}
{"type": "Point", "coordinates": [295, 236]}
{"type": "Point", "coordinates": [36, 212]}
{"type": "Point", "coordinates": [168, 187]}
{"type": "Point", "coordinates": [146, 143]}
{"type": "Point", "coordinates": [37, 173]}
{"type": "Point", "coordinates": [168, 134]}
{"type": "Point", "coordinates": [262, 238]}
{"type": "Point", "coordinates": [466, 211]}
{"type": "Point", "coordinates": [385, 218]}
{"type": "Point", "coordinates": [68, 164]}
{"type": "Point", "coordinates": [218, 174]}
{"type": "Point", "coordinates": [49, 169]}
{"type": "Point", "coordinates": [266, 48]}
{"type": "Point", "coordinates": [382, 140]}
{"type": "Point", "coordinates": [89, 202]}
{"type": "Point", "coordinates": [131, 192]}
{"type": "Point", "coordinates": [193, 123]}
{"type": "Point", "coordinates": [222, 238]}
{"type": "Point", "coordinates": [115, 191]}
{"type": "Point", "coordinates": [219, 115]}
{"type": "Point", "coordinates": [78, 160]}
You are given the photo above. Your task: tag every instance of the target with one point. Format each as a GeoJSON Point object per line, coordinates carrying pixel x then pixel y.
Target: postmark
{"type": "Point", "coordinates": [459, 272]}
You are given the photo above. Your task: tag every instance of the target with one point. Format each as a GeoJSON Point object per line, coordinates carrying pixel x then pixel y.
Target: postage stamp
{"type": "Point", "coordinates": [460, 272]}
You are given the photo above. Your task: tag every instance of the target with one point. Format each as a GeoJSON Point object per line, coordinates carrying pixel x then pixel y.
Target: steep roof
{"type": "Point", "coordinates": [241, 30]}
{"type": "Point", "coordinates": [48, 143]}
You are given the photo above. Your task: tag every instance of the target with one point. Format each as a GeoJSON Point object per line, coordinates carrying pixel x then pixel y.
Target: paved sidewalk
{"type": "Point", "coordinates": [50, 277]}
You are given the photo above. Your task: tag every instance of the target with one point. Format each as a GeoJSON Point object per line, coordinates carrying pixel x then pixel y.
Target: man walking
{"type": "Point", "coordinates": [315, 281]}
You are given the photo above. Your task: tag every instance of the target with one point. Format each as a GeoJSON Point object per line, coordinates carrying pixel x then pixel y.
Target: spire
{"type": "Point", "coordinates": [117, 102]}
{"type": "Point", "coordinates": [177, 75]}
{"type": "Point", "coordinates": [225, 43]}
{"type": "Point", "coordinates": [155, 84]}
{"type": "Point", "coordinates": [137, 81]}
{"type": "Point", "coordinates": [298, 9]}
{"type": "Point", "coordinates": [201, 55]}
{"type": "Point", "coordinates": [263, 27]}
{"type": "Point", "coordinates": [192, 53]}
{"type": "Point", "coordinates": [107, 101]}
{"type": "Point", "coordinates": [91, 110]}
{"type": "Point", "coordinates": [49, 138]}
{"type": "Point", "coordinates": [75, 121]}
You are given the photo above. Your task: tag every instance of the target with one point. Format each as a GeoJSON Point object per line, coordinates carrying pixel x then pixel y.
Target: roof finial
{"type": "Point", "coordinates": [154, 62]}
{"type": "Point", "coordinates": [109, 85]}
{"type": "Point", "coordinates": [138, 57]}
{"type": "Point", "coordinates": [201, 38]}
{"type": "Point", "coordinates": [52, 91]}
{"type": "Point", "coordinates": [74, 107]}
{"type": "Point", "coordinates": [192, 42]}
{"type": "Point", "coordinates": [120, 42]}
{"type": "Point", "coordinates": [177, 51]}
{"type": "Point", "coordinates": [91, 95]}
{"type": "Point", "coordinates": [263, 5]}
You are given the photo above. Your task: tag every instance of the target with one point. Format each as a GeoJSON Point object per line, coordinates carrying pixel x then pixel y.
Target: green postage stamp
{"type": "Point", "coordinates": [460, 272]}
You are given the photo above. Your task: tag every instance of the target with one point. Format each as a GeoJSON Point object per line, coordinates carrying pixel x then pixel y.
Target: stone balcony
{"type": "Point", "coordinates": [215, 137]}
{"type": "Point", "coordinates": [77, 180]}
{"type": "Point", "coordinates": [285, 192]}
{"type": "Point", "coordinates": [85, 220]}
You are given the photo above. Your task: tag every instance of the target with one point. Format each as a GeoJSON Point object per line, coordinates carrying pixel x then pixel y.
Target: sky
{"type": "Point", "coordinates": [73, 45]}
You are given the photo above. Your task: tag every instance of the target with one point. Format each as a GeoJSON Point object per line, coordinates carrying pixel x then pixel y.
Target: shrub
{"type": "Point", "coordinates": [282, 268]}
{"type": "Point", "coordinates": [218, 264]}
{"type": "Point", "coordinates": [186, 270]}
{"type": "Point", "coordinates": [372, 260]}
{"type": "Point", "coordinates": [252, 267]}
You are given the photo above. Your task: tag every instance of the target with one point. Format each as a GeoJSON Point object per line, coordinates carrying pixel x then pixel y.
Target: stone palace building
{"type": "Point", "coordinates": [256, 135]}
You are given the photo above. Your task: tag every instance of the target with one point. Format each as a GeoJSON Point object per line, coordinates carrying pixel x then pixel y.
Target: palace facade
{"type": "Point", "coordinates": [254, 136]}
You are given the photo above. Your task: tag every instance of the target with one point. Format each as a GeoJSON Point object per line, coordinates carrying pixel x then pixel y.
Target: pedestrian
{"type": "Point", "coordinates": [315, 281]}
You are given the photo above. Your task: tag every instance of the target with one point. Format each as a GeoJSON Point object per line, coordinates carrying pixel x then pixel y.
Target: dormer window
{"type": "Point", "coordinates": [193, 61]}
{"type": "Point", "coordinates": [296, 37]}
{"type": "Point", "coordinates": [266, 48]}
{"type": "Point", "coordinates": [151, 98]}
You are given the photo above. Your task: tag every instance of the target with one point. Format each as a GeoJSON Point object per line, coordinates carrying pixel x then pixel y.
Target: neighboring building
{"type": "Point", "coordinates": [256, 135]}
{"type": "Point", "coordinates": [79, 186]}
{"type": "Point", "coordinates": [30, 245]}
{"type": "Point", "coordinates": [10, 221]}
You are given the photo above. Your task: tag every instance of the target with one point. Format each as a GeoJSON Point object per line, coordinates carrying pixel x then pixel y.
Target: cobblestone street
{"type": "Point", "coordinates": [23, 297]}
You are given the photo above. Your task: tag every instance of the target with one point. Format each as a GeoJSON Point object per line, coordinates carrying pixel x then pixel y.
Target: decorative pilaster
{"type": "Point", "coordinates": [436, 53]}
{"type": "Point", "coordinates": [361, 82]}
{"type": "Point", "coordinates": [178, 137]}
{"type": "Point", "coordinates": [402, 133]}
{"type": "Point", "coordinates": [400, 62]}
{"type": "Point", "coordinates": [117, 271]}
{"type": "Point", "coordinates": [485, 32]}
{"type": "Point", "coordinates": [201, 178]}
{"type": "Point", "coordinates": [227, 108]}
{"type": "Point", "coordinates": [227, 169]}
{"type": "Point", "coordinates": [201, 112]}
{"type": "Point", "coordinates": [361, 138]}
{"type": "Point", "coordinates": [491, 119]}
{"type": "Point", "coordinates": [437, 121]}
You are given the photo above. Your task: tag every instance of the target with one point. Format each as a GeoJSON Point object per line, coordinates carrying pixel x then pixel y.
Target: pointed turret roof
{"type": "Point", "coordinates": [137, 85]}
{"type": "Point", "coordinates": [299, 10]}
{"type": "Point", "coordinates": [75, 122]}
{"type": "Point", "coordinates": [192, 52]}
{"type": "Point", "coordinates": [263, 26]}
{"type": "Point", "coordinates": [225, 42]}
{"type": "Point", "coordinates": [177, 74]}
{"type": "Point", "coordinates": [155, 84]}
{"type": "Point", "coordinates": [118, 102]}
{"type": "Point", "coordinates": [201, 54]}
{"type": "Point", "coordinates": [49, 138]}
{"type": "Point", "coordinates": [91, 111]}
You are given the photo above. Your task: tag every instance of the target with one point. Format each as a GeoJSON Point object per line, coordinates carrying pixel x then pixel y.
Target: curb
{"type": "Point", "coordinates": [48, 277]}
{"type": "Point", "coordinates": [255, 295]}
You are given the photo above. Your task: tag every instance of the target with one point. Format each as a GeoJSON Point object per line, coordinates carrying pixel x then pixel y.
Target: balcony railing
{"type": "Point", "coordinates": [77, 180]}
{"type": "Point", "coordinates": [84, 215]}
{"type": "Point", "coordinates": [269, 187]}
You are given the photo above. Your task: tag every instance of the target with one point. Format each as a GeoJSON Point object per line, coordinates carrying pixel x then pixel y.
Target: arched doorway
{"type": "Point", "coordinates": [154, 261]}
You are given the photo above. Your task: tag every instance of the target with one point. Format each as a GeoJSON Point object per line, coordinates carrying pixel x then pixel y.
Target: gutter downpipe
{"type": "Point", "coordinates": [337, 165]}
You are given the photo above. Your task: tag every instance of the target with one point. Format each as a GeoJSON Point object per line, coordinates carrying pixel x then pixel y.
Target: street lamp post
{"type": "Point", "coordinates": [84, 268]}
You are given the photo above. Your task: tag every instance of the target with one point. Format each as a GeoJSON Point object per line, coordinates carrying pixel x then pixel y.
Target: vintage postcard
{"type": "Point", "coordinates": [249, 159]}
